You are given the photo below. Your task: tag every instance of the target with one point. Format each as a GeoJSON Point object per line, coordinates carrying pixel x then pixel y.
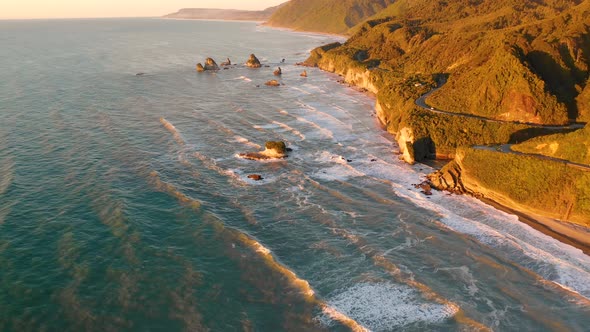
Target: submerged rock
{"type": "Point", "coordinates": [273, 150]}
{"type": "Point", "coordinates": [210, 64]}
{"type": "Point", "coordinates": [253, 62]}
{"type": "Point", "coordinates": [304, 73]}
{"type": "Point", "coordinates": [272, 83]}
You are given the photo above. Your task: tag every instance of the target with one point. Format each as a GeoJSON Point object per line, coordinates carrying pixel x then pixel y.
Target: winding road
{"type": "Point", "coordinates": [506, 148]}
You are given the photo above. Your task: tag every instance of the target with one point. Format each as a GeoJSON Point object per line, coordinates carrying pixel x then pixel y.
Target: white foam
{"type": "Point", "coordinates": [243, 78]}
{"type": "Point", "coordinates": [338, 169]}
{"type": "Point", "coordinates": [387, 307]}
{"type": "Point", "coordinates": [550, 259]}
{"type": "Point", "coordinates": [291, 129]}
{"type": "Point", "coordinates": [247, 142]}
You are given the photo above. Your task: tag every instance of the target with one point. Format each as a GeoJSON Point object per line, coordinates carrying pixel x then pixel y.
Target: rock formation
{"type": "Point", "coordinates": [273, 150]}
{"type": "Point", "coordinates": [210, 64]}
{"type": "Point", "coordinates": [253, 62]}
{"type": "Point", "coordinates": [273, 83]}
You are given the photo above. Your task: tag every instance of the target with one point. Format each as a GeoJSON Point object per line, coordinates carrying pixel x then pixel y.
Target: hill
{"type": "Point", "coordinates": [329, 16]}
{"type": "Point", "coordinates": [508, 60]}
{"type": "Point", "coordinates": [223, 14]}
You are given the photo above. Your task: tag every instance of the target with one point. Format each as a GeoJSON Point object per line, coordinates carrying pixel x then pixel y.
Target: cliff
{"type": "Point", "coordinates": [538, 186]}
{"type": "Point", "coordinates": [328, 16]}
{"type": "Point", "coordinates": [223, 14]}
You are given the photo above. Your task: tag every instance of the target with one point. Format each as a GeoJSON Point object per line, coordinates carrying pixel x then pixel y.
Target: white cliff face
{"type": "Point", "coordinates": [405, 140]}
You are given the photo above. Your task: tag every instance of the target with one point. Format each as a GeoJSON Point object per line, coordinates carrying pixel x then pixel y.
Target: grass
{"type": "Point", "coordinates": [574, 146]}
{"type": "Point", "coordinates": [559, 190]}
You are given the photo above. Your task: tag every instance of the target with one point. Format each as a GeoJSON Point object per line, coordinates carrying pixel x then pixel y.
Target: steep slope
{"type": "Point", "coordinates": [505, 60]}
{"type": "Point", "coordinates": [223, 14]}
{"type": "Point", "coordinates": [330, 16]}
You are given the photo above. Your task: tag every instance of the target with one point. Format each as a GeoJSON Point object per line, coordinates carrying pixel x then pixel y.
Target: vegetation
{"type": "Point", "coordinates": [558, 190]}
{"type": "Point", "coordinates": [509, 60]}
{"type": "Point", "coordinates": [330, 16]}
{"type": "Point", "coordinates": [277, 146]}
{"type": "Point", "coordinates": [574, 146]}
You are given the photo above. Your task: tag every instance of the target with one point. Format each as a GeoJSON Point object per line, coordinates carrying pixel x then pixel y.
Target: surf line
{"type": "Point", "coordinates": [394, 271]}
{"type": "Point", "coordinates": [270, 262]}
{"type": "Point", "coordinates": [170, 127]}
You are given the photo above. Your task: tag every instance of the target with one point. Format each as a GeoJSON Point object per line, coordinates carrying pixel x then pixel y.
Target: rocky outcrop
{"type": "Point", "coordinates": [525, 183]}
{"type": "Point", "coordinates": [210, 64]}
{"type": "Point", "coordinates": [253, 62]}
{"type": "Point", "coordinates": [272, 83]}
{"type": "Point", "coordinates": [273, 150]}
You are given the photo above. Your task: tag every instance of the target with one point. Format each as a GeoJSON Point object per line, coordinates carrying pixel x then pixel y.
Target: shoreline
{"type": "Point", "coordinates": [571, 234]}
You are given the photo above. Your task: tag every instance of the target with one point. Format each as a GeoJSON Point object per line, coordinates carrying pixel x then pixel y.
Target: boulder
{"type": "Point", "coordinates": [253, 62]}
{"type": "Point", "coordinates": [200, 68]}
{"type": "Point", "coordinates": [304, 74]}
{"type": "Point", "coordinates": [255, 177]}
{"type": "Point", "coordinates": [226, 63]}
{"type": "Point", "coordinates": [273, 150]}
{"type": "Point", "coordinates": [272, 83]}
{"type": "Point", "coordinates": [278, 72]}
{"type": "Point", "coordinates": [210, 64]}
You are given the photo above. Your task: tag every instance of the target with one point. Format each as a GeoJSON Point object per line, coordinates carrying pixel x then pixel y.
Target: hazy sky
{"type": "Point", "coordinates": [19, 9]}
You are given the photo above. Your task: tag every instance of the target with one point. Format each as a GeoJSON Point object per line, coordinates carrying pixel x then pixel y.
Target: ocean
{"type": "Point", "coordinates": [124, 205]}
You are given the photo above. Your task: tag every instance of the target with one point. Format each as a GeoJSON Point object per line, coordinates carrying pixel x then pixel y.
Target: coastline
{"type": "Point", "coordinates": [570, 234]}
{"type": "Point", "coordinates": [574, 235]}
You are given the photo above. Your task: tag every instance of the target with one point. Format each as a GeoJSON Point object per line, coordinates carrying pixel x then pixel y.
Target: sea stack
{"type": "Point", "coordinates": [273, 150]}
{"type": "Point", "coordinates": [210, 64]}
{"type": "Point", "coordinates": [253, 62]}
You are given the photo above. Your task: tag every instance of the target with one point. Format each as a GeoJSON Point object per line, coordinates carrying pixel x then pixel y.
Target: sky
{"type": "Point", "coordinates": [29, 9]}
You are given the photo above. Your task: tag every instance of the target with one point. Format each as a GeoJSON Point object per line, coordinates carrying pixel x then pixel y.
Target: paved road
{"type": "Point", "coordinates": [422, 103]}
{"type": "Point", "coordinates": [506, 148]}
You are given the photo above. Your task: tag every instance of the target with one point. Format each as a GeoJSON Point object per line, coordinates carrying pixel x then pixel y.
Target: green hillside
{"type": "Point", "coordinates": [573, 146]}
{"type": "Point", "coordinates": [509, 60]}
{"type": "Point", "coordinates": [329, 16]}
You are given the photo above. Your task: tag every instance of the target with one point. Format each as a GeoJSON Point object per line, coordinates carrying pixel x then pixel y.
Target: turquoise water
{"type": "Point", "coordinates": [124, 206]}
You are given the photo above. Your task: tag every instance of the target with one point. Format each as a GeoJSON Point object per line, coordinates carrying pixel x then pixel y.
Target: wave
{"type": "Point", "coordinates": [247, 142]}
{"type": "Point", "coordinates": [6, 174]}
{"type": "Point", "coordinates": [173, 191]}
{"type": "Point", "coordinates": [385, 306]}
{"type": "Point", "coordinates": [303, 286]}
{"type": "Point", "coordinates": [291, 129]}
{"type": "Point", "coordinates": [170, 127]}
{"type": "Point", "coordinates": [550, 259]}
